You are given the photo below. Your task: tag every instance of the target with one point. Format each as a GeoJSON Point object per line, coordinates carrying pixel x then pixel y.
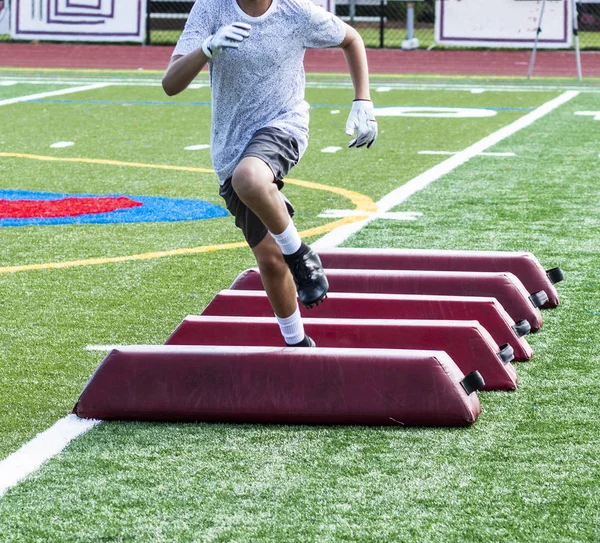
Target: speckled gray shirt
{"type": "Point", "coordinates": [262, 83]}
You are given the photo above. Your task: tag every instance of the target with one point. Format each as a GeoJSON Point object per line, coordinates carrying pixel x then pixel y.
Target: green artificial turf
{"type": "Point", "coordinates": [527, 470]}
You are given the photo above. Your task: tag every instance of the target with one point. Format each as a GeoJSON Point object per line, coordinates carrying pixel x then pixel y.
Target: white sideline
{"type": "Point", "coordinates": [401, 194]}
{"type": "Point", "coordinates": [50, 443]}
{"type": "Point", "coordinates": [394, 85]}
{"type": "Point", "coordinates": [30, 457]}
{"type": "Point", "coordinates": [48, 94]}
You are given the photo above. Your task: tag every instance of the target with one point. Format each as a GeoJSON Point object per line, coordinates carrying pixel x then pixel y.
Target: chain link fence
{"type": "Point", "coordinates": [387, 23]}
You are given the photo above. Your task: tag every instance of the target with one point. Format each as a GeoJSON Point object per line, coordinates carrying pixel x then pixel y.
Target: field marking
{"type": "Point", "coordinates": [401, 194]}
{"type": "Point", "coordinates": [435, 112]}
{"type": "Point", "coordinates": [363, 206]}
{"type": "Point", "coordinates": [331, 149]}
{"type": "Point", "coordinates": [391, 215]}
{"type": "Point", "coordinates": [46, 445]}
{"type": "Point", "coordinates": [61, 92]}
{"type": "Point", "coordinates": [595, 114]}
{"type": "Point", "coordinates": [341, 84]}
{"type": "Point", "coordinates": [50, 443]}
{"type": "Point", "coordinates": [456, 152]}
{"type": "Point", "coordinates": [199, 147]}
{"type": "Point", "coordinates": [107, 162]}
{"type": "Point", "coordinates": [471, 79]}
{"type": "Point", "coordinates": [62, 144]}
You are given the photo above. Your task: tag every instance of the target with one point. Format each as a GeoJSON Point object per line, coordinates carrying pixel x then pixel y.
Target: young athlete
{"type": "Point", "coordinates": [255, 50]}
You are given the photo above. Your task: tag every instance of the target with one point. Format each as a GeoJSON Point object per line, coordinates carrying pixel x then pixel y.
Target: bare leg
{"type": "Point", "coordinates": [276, 277]}
{"type": "Point", "coordinates": [253, 183]}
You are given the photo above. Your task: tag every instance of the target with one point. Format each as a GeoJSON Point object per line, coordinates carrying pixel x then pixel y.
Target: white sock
{"type": "Point", "coordinates": [291, 327]}
{"type": "Point", "coordinates": [289, 240]}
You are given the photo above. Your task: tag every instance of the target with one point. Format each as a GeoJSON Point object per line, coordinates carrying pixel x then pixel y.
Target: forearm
{"type": "Point", "coordinates": [356, 58]}
{"type": "Point", "coordinates": [182, 71]}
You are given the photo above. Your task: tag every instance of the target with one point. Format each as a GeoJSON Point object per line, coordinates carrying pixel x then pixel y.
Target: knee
{"type": "Point", "coordinates": [251, 182]}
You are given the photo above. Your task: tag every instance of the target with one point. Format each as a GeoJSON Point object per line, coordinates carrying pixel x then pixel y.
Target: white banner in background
{"type": "Point", "coordinates": [4, 17]}
{"type": "Point", "coordinates": [79, 20]}
{"type": "Point", "coordinates": [503, 23]}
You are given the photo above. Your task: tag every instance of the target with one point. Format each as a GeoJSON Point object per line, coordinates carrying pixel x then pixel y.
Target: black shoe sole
{"type": "Point", "coordinates": [316, 302]}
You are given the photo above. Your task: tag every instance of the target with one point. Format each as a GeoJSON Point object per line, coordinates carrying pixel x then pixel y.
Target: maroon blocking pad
{"type": "Point", "coordinates": [522, 264]}
{"type": "Point", "coordinates": [280, 385]}
{"type": "Point", "coordinates": [489, 313]}
{"type": "Point", "coordinates": [505, 287]}
{"type": "Point", "coordinates": [466, 342]}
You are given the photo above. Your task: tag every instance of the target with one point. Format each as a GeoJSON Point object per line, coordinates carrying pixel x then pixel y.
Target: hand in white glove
{"type": "Point", "coordinates": [227, 37]}
{"type": "Point", "coordinates": [362, 119]}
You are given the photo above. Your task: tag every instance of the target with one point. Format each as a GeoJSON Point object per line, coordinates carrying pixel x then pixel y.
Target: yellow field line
{"type": "Point", "coordinates": [107, 162]}
{"type": "Point", "coordinates": [361, 202]}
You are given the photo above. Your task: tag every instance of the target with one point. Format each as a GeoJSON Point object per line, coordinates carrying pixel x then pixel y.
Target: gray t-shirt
{"type": "Point", "coordinates": [262, 83]}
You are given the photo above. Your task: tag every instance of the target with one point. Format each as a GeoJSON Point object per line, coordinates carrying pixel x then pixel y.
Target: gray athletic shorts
{"type": "Point", "coordinates": [280, 152]}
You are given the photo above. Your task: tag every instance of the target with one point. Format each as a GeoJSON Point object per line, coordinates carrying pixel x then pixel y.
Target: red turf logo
{"type": "Point", "coordinates": [65, 207]}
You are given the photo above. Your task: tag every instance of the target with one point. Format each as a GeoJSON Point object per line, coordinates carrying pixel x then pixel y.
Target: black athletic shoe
{"type": "Point", "coordinates": [306, 342]}
{"type": "Point", "coordinates": [307, 270]}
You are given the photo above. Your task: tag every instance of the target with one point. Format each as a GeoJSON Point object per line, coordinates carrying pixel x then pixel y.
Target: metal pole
{"type": "Point", "coordinates": [381, 23]}
{"type": "Point", "coordinates": [576, 35]}
{"type": "Point", "coordinates": [147, 42]}
{"type": "Point", "coordinates": [352, 7]}
{"type": "Point", "coordinates": [537, 37]}
{"type": "Point", "coordinates": [410, 20]}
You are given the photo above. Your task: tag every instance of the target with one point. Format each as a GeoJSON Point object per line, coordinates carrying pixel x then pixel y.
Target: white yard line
{"type": "Point", "coordinates": [49, 94]}
{"type": "Point", "coordinates": [341, 84]}
{"type": "Point", "coordinates": [339, 235]}
{"type": "Point", "coordinates": [30, 457]}
{"type": "Point", "coordinates": [50, 443]}
{"type": "Point", "coordinates": [456, 152]}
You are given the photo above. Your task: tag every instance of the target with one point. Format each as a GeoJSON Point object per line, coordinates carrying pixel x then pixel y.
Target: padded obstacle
{"type": "Point", "coordinates": [503, 286]}
{"type": "Point", "coordinates": [488, 311]}
{"type": "Point", "coordinates": [466, 342]}
{"type": "Point", "coordinates": [522, 264]}
{"type": "Point", "coordinates": [280, 385]}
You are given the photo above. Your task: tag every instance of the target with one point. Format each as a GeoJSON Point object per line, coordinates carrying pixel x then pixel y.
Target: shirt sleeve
{"type": "Point", "coordinates": [197, 28]}
{"type": "Point", "coordinates": [323, 29]}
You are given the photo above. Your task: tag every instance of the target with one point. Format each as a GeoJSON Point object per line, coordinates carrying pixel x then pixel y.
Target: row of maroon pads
{"type": "Point", "coordinates": [406, 339]}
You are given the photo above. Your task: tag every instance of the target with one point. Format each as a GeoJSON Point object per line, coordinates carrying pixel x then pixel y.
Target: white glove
{"type": "Point", "coordinates": [227, 37]}
{"type": "Point", "coordinates": [362, 119]}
